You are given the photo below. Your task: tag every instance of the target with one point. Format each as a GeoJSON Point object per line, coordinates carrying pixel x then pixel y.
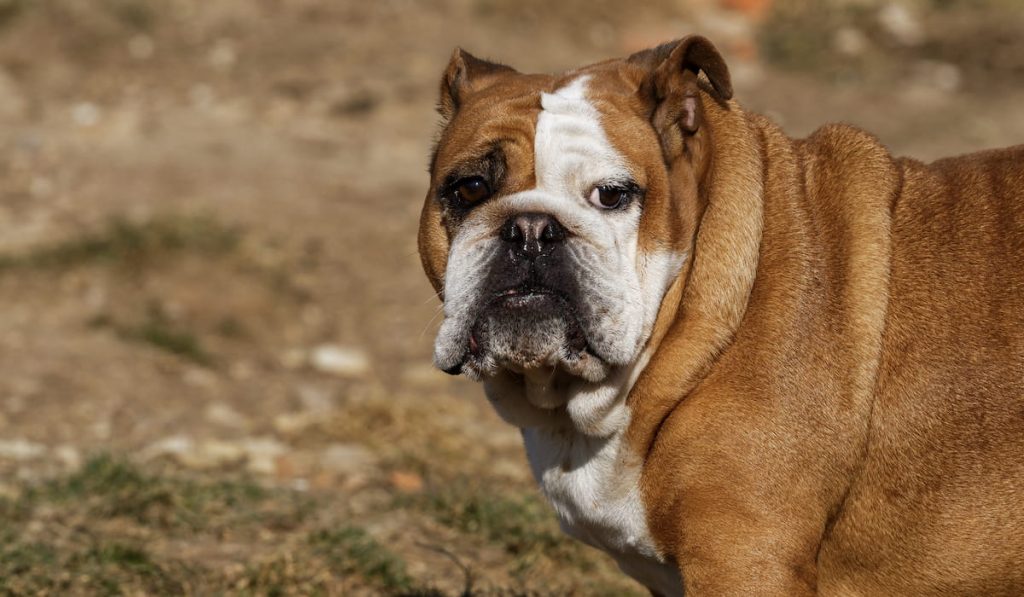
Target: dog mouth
{"type": "Point", "coordinates": [526, 328]}
{"type": "Point", "coordinates": [530, 297]}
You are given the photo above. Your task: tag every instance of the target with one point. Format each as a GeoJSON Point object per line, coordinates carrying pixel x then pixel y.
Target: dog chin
{"type": "Point", "coordinates": [533, 335]}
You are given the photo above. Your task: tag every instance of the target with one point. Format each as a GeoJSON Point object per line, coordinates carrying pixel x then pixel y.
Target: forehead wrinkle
{"type": "Point", "coordinates": [471, 144]}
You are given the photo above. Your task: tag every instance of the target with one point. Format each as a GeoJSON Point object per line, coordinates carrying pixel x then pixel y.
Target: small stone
{"type": "Point", "coordinates": [20, 450]}
{"type": "Point", "coordinates": [406, 482]}
{"type": "Point", "coordinates": [85, 114]}
{"type": "Point", "coordinates": [168, 446]}
{"type": "Point", "coordinates": [295, 423]}
{"type": "Point", "coordinates": [323, 480]}
{"type": "Point", "coordinates": [262, 454]}
{"type": "Point", "coordinates": [222, 414]}
{"type": "Point", "coordinates": [315, 399]}
{"type": "Point", "coordinates": [941, 76]}
{"type": "Point", "coordinates": [69, 456]}
{"type": "Point", "coordinates": [212, 454]}
{"type": "Point", "coordinates": [340, 361]}
{"type": "Point", "coordinates": [901, 24]}
{"type": "Point", "coordinates": [102, 429]}
{"type": "Point", "coordinates": [200, 378]}
{"type": "Point", "coordinates": [347, 459]}
{"type": "Point", "coordinates": [294, 464]}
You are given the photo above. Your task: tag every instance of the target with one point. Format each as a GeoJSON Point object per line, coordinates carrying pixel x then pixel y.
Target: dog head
{"type": "Point", "coordinates": [561, 208]}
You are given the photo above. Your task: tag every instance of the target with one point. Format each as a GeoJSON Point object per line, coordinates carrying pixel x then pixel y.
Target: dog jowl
{"type": "Point", "coordinates": [741, 363]}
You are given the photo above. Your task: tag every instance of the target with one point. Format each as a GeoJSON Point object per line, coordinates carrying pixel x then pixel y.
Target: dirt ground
{"type": "Point", "coordinates": [214, 329]}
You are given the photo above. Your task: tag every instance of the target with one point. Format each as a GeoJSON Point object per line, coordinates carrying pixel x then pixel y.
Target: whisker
{"type": "Point", "coordinates": [437, 312]}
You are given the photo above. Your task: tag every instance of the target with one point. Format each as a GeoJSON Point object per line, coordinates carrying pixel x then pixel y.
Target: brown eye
{"type": "Point", "coordinates": [471, 191]}
{"type": "Point", "coordinates": [608, 197]}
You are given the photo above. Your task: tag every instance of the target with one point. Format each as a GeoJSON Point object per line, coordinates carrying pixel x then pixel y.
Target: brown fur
{"type": "Point", "coordinates": [835, 401]}
{"type": "Point", "coordinates": [863, 431]}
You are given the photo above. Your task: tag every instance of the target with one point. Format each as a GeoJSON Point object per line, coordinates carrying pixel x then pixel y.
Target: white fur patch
{"type": "Point", "coordinates": [583, 468]}
{"type": "Point", "coordinates": [577, 453]}
{"type": "Point", "coordinates": [593, 485]}
{"type": "Point", "coordinates": [571, 151]}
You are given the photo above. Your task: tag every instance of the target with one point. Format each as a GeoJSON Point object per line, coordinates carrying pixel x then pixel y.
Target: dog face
{"type": "Point", "coordinates": [548, 274]}
{"type": "Point", "coordinates": [550, 227]}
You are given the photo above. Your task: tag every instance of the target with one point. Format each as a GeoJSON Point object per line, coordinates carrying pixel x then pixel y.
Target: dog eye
{"type": "Point", "coordinates": [470, 191]}
{"type": "Point", "coordinates": [607, 197]}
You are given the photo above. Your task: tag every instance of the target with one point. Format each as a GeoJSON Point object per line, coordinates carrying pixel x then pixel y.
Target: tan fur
{"type": "Point", "coordinates": [498, 111]}
{"type": "Point", "coordinates": [863, 433]}
{"type": "Point", "coordinates": [835, 398]}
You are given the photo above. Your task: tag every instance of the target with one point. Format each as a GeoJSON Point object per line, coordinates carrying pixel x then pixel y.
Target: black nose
{"type": "Point", "coordinates": [532, 235]}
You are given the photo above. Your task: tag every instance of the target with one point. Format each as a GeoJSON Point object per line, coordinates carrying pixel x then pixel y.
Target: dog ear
{"type": "Point", "coordinates": [464, 73]}
{"type": "Point", "coordinates": [671, 85]}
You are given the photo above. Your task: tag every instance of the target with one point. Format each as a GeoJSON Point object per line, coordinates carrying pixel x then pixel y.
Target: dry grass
{"type": "Point", "coordinates": [115, 528]}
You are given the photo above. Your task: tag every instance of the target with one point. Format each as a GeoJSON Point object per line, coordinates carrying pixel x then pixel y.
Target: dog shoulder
{"type": "Point", "coordinates": [852, 151]}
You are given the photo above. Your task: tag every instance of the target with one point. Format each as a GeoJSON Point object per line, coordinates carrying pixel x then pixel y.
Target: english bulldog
{"type": "Point", "coordinates": [742, 364]}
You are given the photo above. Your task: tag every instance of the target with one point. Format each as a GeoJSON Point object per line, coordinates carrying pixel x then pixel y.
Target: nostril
{"type": "Point", "coordinates": [510, 231]}
{"type": "Point", "coordinates": [553, 232]}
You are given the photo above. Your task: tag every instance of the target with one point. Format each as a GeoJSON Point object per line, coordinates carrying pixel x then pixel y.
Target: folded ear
{"type": "Point", "coordinates": [465, 73]}
{"type": "Point", "coordinates": [671, 83]}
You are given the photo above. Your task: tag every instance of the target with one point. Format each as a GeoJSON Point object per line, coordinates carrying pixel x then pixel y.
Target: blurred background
{"type": "Point", "coordinates": [214, 329]}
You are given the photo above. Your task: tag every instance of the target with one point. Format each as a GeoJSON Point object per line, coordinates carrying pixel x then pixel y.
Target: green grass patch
{"type": "Point", "coordinates": [21, 559]}
{"type": "Point", "coordinates": [115, 528]}
{"type": "Point", "coordinates": [232, 327]}
{"type": "Point", "coordinates": [99, 567]}
{"type": "Point", "coordinates": [79, 534]}
{"type": "Point", "coordinates": [351, 550]}
{"type": "Point", "coordinates": [130, 244]}
{"type": "Point", "coordinates": [521, 523]}
{"type": "Point", "coordinates": [112, 567]}
{"type": "Point", "coordinates": [108, 487]}
{"type": "Point", "coordinates": [162, 335]}
{"type": "Point", "coordinates": [159, 332]}
{"type": "Point", "coordinates": [331, 559]}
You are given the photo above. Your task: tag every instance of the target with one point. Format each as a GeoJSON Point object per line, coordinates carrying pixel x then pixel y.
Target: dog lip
{"type": "Point", "coordinates": [528, 296]}
{"type": "Point", "coordinates": [527, 291]}
{"type": "Point", "coordinates": [454, 369]}
{"type": "Point", "coordinates": [525, 301]}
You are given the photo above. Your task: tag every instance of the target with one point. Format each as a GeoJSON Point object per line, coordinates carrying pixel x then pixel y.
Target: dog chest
{"type": "Point", "coordinates": [596, 494]}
